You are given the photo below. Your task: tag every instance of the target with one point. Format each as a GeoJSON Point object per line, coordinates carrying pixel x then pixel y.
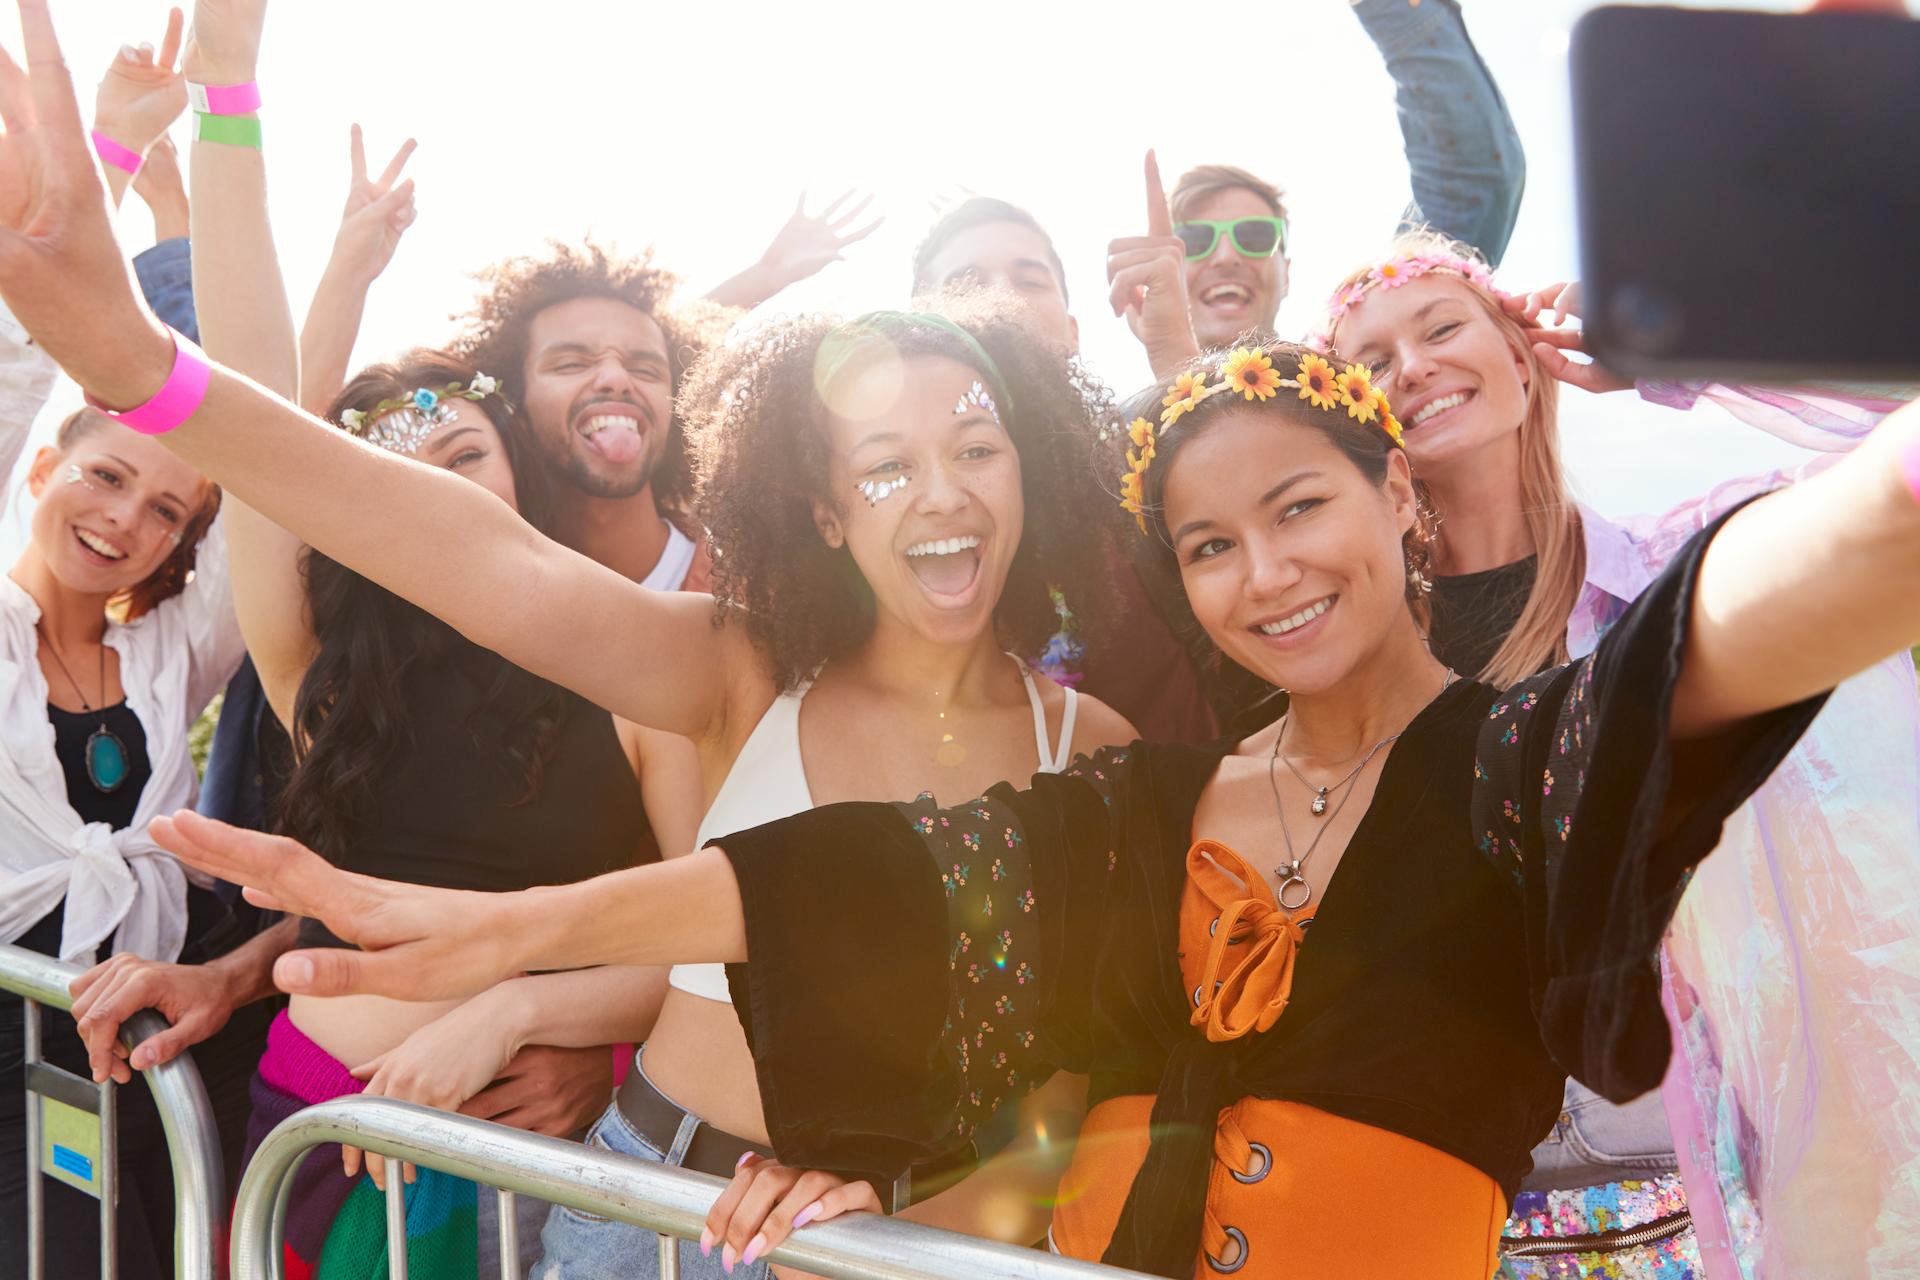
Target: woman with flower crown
{"type": "Point", "coordinates": [1784, 960]}
{"type": "Point", "coordinates": [1377, 1007]}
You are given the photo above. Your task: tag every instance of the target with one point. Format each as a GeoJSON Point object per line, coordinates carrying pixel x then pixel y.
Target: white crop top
{"type": "Point", "coordinates": [768, 781]}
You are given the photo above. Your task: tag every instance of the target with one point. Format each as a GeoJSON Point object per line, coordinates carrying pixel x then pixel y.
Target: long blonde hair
{"type": "Point", "coordinates": [1539, 638]}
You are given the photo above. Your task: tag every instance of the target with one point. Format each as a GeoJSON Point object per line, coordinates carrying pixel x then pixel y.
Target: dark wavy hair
{"type": "Point", "coordinates": [759, 432]}
{"type": "Point", "coordinates": [173, 574]}
{"type": "Point", "coordinates": [350, 715]}
{"type": "Point", "coordinates": [494, 335]}
{"type": "Point", "coordinates": [1242, 700]}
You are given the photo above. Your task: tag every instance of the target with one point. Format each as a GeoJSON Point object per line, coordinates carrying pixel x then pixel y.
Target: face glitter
{"type": "Point", "coordinates": [978, 397]}
{"type": "Point", "coordinates": [878, 491]}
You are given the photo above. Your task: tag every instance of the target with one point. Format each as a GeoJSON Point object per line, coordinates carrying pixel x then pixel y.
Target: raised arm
{"type": "Point", "coordinates": [1465, 158]}
{"type": "Point", "coordinates": [804, 245]}
{"type": "Point", "coordinates": [1807, 586]}
{"type": "Point", "coordinates": [141, 95]}
{"type": "Point", "coordinates": [378, 213]}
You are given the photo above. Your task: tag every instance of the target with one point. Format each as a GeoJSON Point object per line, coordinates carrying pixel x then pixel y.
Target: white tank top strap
{"type": "Point", "coordinates": [1052, 759]}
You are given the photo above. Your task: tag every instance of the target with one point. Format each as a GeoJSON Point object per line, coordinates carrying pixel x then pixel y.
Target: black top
{"type": "Point", "coordinates": [1473, 613]}
{"type": "Point", "coordinates": [71, 730]}
{"type": "Point", "coordinates": [453, 810]}
{"type": "Point", "coordinates": [1492, 927]}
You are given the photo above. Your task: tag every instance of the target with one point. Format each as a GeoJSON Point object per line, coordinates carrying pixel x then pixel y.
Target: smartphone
{"type": "Point", "coordinates": [1749, 192]}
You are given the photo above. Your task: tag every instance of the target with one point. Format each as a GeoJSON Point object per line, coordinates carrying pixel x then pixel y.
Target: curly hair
{"type": "Point", "coordinates": [759, 432]}
{"type": "Point", "coordinates": [1367, 447]}
{"type": "Point", "coordinates": [173, 574]}
{"type": "Point", "coordinates": [495, 334]}
{"type": "Point", "coordinates": [351, 717]}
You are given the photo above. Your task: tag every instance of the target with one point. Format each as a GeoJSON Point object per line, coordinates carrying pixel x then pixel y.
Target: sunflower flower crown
{"type": "Point", "coordinates": [1250, 372]}
{"type": "Point", "coordinates": [401, 424]}
{"type": "Point", "coordinates": [1394, 272]}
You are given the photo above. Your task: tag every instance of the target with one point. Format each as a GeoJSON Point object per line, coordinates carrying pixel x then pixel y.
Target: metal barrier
{"type": "Point", "coordinates": [192, 1142]}
{"type": "Point", "coordinates": [671, 1202]}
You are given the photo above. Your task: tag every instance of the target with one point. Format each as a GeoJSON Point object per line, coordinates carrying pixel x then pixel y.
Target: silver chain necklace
{"type": "Point", "coordinates": [1288, 872]}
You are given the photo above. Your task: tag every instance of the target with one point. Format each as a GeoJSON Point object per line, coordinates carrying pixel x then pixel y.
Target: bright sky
{"type": "Point", "coordinates": [693, 129]}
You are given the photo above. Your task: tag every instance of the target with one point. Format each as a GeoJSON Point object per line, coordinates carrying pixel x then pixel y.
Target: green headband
{"type": "Point", "coordinates": [845, 344]}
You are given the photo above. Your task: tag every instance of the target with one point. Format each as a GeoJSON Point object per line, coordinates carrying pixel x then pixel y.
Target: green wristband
{"type": "Point", "coordinates": [232, 131]}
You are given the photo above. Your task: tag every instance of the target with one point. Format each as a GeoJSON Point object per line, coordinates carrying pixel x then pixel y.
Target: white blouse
{"type": "Point", "coordinates": [172, 662]}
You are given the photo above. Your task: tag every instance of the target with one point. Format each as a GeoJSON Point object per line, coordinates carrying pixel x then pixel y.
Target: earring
{"type": "Point", "coordinates": [1421, 582]}
{"type": "Point", "coordinates": [878, 491]}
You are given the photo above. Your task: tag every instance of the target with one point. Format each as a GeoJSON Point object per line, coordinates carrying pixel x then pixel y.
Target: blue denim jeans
{"type": "Point", "coordinates": [165, 273]}
{"type": "Point", "coordinates": [1594, 1141]}
{"type": "Point", "coordinates": [1464, 154]}
{"type": "Point", "coordinates": [579, 1246]}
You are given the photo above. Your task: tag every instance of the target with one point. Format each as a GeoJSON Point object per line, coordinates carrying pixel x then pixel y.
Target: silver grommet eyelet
{"type": "Point", "coordinates": [1239, 1237]}
{"type": "Point", "coordinates": [1254, 1175]}
{"type": "Point", "coordinates": [1213, 926]}
{"type": "Point", "coordinates": [1196, 995]}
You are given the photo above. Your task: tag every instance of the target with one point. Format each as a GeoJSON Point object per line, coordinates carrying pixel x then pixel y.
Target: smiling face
{"type": "Point", "coordinates": [1458, 385]}
{"type": "Point", "coordinates": [1227, 293]}
{"type": "Point", "coordinates": [599, 394]}
{"type": "Point", "coordinates": [1292, 559]}
{"type": "Point", "coordinates": [111, 507]}
{"type": "Point", "coordinates": [1011, 258]}
{"type": "Point", "coordinates": [927, 500]}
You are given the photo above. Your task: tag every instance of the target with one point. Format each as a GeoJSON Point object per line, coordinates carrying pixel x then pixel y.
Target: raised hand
{"type": "Point", "coordinates": [224, 45]}
{"type": "Point", "coordinates": [143, 93]}
{"type": "Point", "coordinates": [802, 247]}
{"type": "Point", "coordinates": [1148, 275]}
{"type": "Point", "coordinates": [809, 241]}
{"type": "Point", "coordinates": [378, 213]}
{"type": "Point", "coordinates": [160, 184]}
{"type": "Point", "coordinates": [61, 271]}
{"type": "Point", "coordinates": [1550, 346]}
{"type": "Point", "coordinates": [419, 943]}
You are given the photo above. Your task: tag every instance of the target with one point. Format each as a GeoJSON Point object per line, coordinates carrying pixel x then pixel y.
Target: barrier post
{"type": "Point", "coordinates": [193, 1144]}
{"type": "Point", "coordinates": [672, 1202]}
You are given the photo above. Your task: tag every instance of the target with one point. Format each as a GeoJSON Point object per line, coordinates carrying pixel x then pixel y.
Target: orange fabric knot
{"type": "Point", "coordinates": [1263, 938]}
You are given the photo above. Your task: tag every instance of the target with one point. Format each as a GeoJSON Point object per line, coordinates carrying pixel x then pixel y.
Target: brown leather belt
{"type": "Point", "coordinates": [657, 1118]}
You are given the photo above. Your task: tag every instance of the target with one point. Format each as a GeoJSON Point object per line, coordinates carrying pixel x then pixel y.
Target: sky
{"type": "Point", "coordinates": [694, 128]}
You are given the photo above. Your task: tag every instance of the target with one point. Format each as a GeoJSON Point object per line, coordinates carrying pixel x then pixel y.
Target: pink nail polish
{"type": "Point", "coordinates": [741, 1163]}
{"type": "Point", "coordinates": [726, 1259]}
{"type": "Point", "coordinates": [754, 1246]}
{"type": "Point", "coordinates": [706, 1243]}
{"type": "Point", "coordinates": [806, 1215]}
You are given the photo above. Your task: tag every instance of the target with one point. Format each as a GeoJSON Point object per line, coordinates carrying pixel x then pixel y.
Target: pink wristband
{"type": "Point", "coordinates": [1910, 466]}
{"type": "Point", "coordinates": [124, 158]}
{"type": "Point", "coordinates": [177, 400]}
{"type": "Point", "coordinates": [224, 99]}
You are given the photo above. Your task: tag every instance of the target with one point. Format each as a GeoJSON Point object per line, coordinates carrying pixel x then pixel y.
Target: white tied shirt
{"type": "Point", "coordinates": [116, 884]}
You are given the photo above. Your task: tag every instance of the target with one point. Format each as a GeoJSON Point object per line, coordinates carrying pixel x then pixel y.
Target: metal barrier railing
{"type": "Point", "coordinates": [59, 1100]}
{"type": "Point", "coordinates": [671, 1202]}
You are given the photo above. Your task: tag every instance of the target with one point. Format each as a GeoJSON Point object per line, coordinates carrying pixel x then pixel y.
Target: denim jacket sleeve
{"type": "Point", "coordinates": [1467, 164]}
{"type": "Point", "coordinates": [165, 273]}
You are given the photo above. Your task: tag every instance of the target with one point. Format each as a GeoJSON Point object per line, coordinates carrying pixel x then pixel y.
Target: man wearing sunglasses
{"type": "Point", "coordinates": [1223, 254]}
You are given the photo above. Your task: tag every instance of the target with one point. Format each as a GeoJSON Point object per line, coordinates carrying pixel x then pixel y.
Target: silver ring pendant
{"type": "Point", "coordinates": [1297, 884]}
{"type": "Point", "coordinates": [1266, 1165]}
{"type": "Point", "coordinates": [1239, 1237]}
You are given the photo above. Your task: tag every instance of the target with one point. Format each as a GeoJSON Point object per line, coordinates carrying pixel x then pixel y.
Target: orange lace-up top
{"type": "Point", "coordinates": [1289, 1181]}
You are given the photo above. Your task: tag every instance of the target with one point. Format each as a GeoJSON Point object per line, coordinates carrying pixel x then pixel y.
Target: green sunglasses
{"type": "Point", "coordinates": [1252, 237]}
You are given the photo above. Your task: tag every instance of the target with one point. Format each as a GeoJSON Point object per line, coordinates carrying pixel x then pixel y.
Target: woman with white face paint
{"type": "Point", "coordinates": [116, 629]}
{"type": "Point", "coordinates": [1526, 576]}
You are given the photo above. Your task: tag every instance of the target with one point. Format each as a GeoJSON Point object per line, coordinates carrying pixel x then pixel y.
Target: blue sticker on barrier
{"type": "Point", "coordinates": [70, 1161]}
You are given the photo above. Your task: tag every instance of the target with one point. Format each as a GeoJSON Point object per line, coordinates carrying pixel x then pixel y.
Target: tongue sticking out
{"type": "Point", "coordinates": [617, 444]}
{"type": "Point", "coordinates": [946, 575]}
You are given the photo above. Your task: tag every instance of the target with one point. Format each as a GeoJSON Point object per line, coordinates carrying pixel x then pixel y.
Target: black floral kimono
{"type": "Point", "coordinates": [1491, 928]}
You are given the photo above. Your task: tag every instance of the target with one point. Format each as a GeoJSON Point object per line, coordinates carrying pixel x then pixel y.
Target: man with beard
{"type": "Point", "coordinates": [590, 349]}
{"type": "Point", "coordinates": [1223, 257]}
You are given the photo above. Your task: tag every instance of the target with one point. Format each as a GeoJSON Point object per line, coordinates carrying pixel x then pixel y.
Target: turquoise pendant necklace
{"type": "Point", "coordinates": [106, 754]}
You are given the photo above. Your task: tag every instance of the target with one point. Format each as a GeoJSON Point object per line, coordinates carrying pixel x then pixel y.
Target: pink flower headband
{"type": "Point", "coordinates": [1393, 273]}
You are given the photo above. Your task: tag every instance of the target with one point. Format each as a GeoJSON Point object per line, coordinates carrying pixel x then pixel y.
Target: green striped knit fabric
{"type": "Point", "coordinates": [441, 1231]}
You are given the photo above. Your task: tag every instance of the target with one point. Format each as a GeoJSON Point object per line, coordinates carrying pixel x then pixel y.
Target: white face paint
{"type": "Point", "coordinates": [878, 491]}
